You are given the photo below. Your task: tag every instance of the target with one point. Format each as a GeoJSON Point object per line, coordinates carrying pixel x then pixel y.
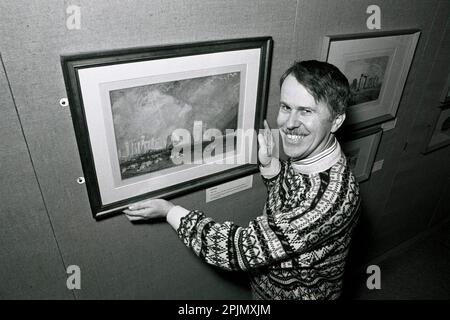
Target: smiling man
{"type": "Point", "coordinates": [305, 126]}
{"type": "Point", "coordinates": [296, 249]}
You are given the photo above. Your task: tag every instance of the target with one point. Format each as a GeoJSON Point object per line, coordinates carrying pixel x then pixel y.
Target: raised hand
{"type": "Point", "coordinates": [267, 146]}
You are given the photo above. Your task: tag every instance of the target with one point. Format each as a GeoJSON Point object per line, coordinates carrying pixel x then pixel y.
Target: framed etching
{"type": "Point", "coordinates": [445, 96]}
{"type": "Point", "coordinates": [376, 65]}
{"type": "Point", "coordinates": [440, 135]}
{"type": "Point", "coordinates": [360, 151]}
{"type": "Point", "coordinates": [165, 121]}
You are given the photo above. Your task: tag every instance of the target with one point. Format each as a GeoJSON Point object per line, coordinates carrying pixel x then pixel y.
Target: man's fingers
{"type": "Point", "coordinates": [268, 137]}
{"type": "Point", "coordinates": [132, 218]}
{"type": "Point", "coordinates": [140, 205]}
{"type": "Point", "coordinates": [135, 206]}
{"type": "Point", "coordinates": [128, 212]}
{"type": "Point", "coordinates": [139, 212]}
{"type": "Point", "coordinates": [262, 141]}
{"type": "Point", "coordinates": [267, 132]}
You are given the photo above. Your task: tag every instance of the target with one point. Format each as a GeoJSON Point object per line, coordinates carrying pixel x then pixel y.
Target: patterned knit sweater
{"type": "Point", "coordinates": [297, 248]}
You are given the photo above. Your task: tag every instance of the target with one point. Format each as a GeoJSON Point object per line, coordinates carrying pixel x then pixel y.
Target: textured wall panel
{"type": "Point", "coordinates": [30, 264]}
{"type": "Point", "coordinates": [120, 260]}
{"type": "Point", "coordinates": [116, 258]}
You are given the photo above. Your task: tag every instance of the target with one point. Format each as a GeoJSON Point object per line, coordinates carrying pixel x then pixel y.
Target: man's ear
{"type": "Point", "coordinates": [337, 122]}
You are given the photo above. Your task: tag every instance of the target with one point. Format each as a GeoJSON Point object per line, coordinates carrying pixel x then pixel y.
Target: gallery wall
{"type": "Point", "coordinates": [45, 219]}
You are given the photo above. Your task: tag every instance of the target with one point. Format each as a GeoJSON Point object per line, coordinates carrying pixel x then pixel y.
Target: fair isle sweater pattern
{"type": "Point", "coordinates": [297, 248]}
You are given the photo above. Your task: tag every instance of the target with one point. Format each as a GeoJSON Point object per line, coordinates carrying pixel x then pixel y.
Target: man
{"type": "Point", "coordinates": [297, 248]}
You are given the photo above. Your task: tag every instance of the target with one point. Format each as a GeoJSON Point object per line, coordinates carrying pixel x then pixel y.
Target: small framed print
{"type": "Point", "coordinates": [445, 96]}
{"type": "Point", "coordinates": [163, 121]}
{"type": "Point", "coordinates": [376, 65]}
{"type": "Point", "coordinates": [439, 136]}
{"type": "Point", "coordinates": [360, 149]}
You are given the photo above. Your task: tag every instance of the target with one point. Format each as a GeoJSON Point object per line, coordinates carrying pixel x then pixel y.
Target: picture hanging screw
{"type": "Point", "coordinates": [63, 102]}
{"type": "Point", "coordinates": [80, 180]}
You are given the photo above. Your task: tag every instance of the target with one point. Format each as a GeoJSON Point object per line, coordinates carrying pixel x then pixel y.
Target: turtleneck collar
{"type": "Point", "coordinates": [321, 161]}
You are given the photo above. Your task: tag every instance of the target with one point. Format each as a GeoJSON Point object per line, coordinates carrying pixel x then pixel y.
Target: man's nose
{"type": "Point", "coordinates": [293, 121]}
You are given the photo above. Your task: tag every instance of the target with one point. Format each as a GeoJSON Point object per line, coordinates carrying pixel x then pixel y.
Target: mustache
{"type": "Point", "coordinates": [296, 131]}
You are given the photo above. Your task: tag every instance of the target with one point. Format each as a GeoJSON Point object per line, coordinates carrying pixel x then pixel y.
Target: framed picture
{"type": "Point", "coordinates": [445, 96]}
{"type": "Point", "coordinates": [165, 121]}
{"type": "Point", "coordinates": [440, 135]}
{"type": "Point", "coordinates": [361, 150]}
{"type": "Point", "coordinates": [376, 65]}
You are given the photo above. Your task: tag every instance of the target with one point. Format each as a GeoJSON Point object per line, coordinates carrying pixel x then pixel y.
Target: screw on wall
{"type": "Point", "coordinates": [64, 102]}
{"type": "Point", "coordinates": [80, 180]}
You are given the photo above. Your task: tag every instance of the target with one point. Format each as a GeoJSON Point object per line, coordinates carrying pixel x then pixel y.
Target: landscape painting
{"type": "Point", "coordinates": [144, 118]}
{"type": "Point", "coordinates": [366, 78]}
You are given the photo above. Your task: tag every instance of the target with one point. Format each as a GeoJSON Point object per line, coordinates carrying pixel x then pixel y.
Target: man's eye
{"type": "Point", "coordinates": [306, 111]}
{"type": "Point", "coordinates": [284, 107]}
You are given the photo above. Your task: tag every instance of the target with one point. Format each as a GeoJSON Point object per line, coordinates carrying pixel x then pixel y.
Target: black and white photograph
{"type": "Point", "coordinates": [224, 158]}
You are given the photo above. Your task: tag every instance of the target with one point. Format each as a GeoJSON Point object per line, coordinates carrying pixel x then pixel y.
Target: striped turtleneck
{"type": "Point", "coordinates": [310, 165]}
{"type": "Point", "coordinates": [321, 161]}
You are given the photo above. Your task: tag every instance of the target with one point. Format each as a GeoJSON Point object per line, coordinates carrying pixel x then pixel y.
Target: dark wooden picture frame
{"type": "Point", "coordinates": [445, 95]}
{"type": "Point", "coordinates": [362, 144]}
{"type": "Point", "coordinates": [381, 60]}
{"type": "Point", "coordinates": [437, 138]}
{"type": "Point", "coordinates": [86, 99]}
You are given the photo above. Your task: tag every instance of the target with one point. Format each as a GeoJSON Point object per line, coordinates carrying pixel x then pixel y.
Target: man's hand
{"type": "Point", "coordinates": [149, 209]}
{"type": "Point", "coordinates": [267, 146]}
